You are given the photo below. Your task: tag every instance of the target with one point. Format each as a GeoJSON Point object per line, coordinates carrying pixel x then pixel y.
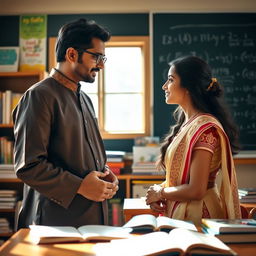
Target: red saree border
{"type": "Point", "coordinates": [193, 140]}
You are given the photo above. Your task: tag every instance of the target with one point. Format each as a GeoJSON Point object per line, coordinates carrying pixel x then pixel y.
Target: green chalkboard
{"type": "Point", "coordinates": [227, 41]}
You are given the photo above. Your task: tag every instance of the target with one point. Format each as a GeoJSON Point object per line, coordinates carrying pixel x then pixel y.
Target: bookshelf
{"type": "Point", "coordinates": [16, 82]}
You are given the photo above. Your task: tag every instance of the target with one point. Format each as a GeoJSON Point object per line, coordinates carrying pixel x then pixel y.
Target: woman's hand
{"type": "Point", "coordinates": [159, 206]}
{"type": "Point", "coordinates": [153, 194]}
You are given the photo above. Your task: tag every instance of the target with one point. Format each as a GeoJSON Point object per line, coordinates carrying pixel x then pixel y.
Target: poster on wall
{"type": "Point", "coordinates": [33, 33]}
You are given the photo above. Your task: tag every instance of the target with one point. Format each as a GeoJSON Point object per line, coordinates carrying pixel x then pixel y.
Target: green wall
{"type": "Point", "coordinates": [118, 24]}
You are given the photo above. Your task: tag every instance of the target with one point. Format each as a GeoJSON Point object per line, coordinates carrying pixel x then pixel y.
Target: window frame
{"type": "Point", "coordinates": [120, 41]}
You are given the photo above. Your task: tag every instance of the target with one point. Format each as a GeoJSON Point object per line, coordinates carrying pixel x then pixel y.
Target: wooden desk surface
{"type": "Point", "coordinates": [20, 245]}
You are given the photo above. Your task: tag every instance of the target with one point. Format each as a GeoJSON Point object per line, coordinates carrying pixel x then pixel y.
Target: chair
{"type": "Point", "coordinates": [252, 213]}
{"type": "Point", "coordinates": [244, 212]}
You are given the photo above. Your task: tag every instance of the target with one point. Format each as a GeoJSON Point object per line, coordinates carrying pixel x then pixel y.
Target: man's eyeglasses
{"type": "Point", "coordinates": [98, 57]}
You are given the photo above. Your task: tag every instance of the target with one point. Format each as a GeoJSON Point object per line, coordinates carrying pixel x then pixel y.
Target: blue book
{"type": "Point", "coordinates": [231, 237]}
{"type": "Point", "coordinates": [220, 226]}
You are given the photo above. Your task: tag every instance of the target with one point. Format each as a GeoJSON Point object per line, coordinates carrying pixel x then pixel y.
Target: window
{"type": "Point", "coordinates": [121, 92]}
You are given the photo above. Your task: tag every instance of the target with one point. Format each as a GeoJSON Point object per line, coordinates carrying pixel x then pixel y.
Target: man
{"type": "Point", "coordinates": [58, 151]}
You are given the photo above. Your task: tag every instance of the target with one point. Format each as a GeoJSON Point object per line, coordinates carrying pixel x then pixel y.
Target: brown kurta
{"type": "Point", "coordinates": [57, 143]}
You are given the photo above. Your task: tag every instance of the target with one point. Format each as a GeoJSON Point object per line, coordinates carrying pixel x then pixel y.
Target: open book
{"type": "Point", "coordinates": [178, 241]}
{"type": "Point", "coordinates": [56, 234]}
{"type": "Point", "coordinates": [148, 222]}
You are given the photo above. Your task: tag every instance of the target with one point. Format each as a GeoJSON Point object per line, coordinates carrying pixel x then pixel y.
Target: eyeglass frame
{"type": "Point", "coordinates": [100, 57]}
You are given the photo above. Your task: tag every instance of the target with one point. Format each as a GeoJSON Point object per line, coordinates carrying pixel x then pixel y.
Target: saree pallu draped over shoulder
{"type": "Point", "coordinates": [220, 202]}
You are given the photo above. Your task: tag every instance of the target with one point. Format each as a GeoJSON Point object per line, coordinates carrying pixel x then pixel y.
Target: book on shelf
{"type": "Point", "coordinates": [145, 154]}
{"type": "Point", "coordinates": [7, 193]}
{"type": "Point", "coordinates": [6, 167]}
{"type": "Point", "coordinates": [115, 156]}
{"type": "Point", "coordinates": [220, 226]}
{"type": "Point", "coordinates": [8, 199]}
{"type": "Point", "coordinates": [247, 200]}
{"type": "Point", "coordinates": [6, 151]}
{"type": "Point", "coordinates": [246, 154]}
{"type": "Point", "coordinates": [247, 197]}
{"type": "Point", "coordinates": [147, 171]}
{"type": "Point", "coordinates": [116, 167]}
{"type": "Point", "coordinates": [148, 223]}
{"type": "Point", "coordinates": [7, 171]}
{"type": "Point", "coordinates": [144, 160]}
{"type": "Point", "coordinates": [146, 141]}
{"type": "Point", "coordinates": [58, 234]}
{"type": "Point", "coordinates": [5, 226]}
{"type": "Point", "coordinates": [177, 242]}
{"type": "Point", "coordinates": [231, 237]}
{"type": "Point", "coordinates": [115, 212]}
{"type": "Point", "coordinates": [9, 100]}
{"type": "Point", "coordinates": [247, 191]}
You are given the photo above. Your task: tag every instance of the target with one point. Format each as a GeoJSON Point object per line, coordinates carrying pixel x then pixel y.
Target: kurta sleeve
{"type": "Point", "coordinates": [33, 128]}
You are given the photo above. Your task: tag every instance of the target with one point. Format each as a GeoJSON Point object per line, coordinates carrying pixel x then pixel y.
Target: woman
{"type": "Point", "coordinates": [198, 146]}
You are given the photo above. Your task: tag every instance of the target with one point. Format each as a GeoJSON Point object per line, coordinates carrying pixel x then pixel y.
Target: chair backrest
{"type": "Point", "coordinates": [244, 212]}
{"type": "Point", "coordinates": [252, 213]}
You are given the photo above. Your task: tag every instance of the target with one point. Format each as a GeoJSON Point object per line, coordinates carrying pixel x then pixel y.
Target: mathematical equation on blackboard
{"type": "Point", "coordinates": [230, 49]}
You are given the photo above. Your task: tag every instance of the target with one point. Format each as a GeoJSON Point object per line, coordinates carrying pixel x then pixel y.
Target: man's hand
{"type": "Point", "coordinates": [95, 188]}
{"type": "Point", "coordinates": [111, 177]}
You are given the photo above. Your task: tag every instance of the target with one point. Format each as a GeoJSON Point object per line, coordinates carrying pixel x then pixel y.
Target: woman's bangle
{"type": "Point", "coordinates": [161, 193]}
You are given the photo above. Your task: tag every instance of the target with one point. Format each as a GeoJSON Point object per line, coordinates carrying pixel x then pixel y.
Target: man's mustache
{"type": "Point", "coordinates": [96, 69]}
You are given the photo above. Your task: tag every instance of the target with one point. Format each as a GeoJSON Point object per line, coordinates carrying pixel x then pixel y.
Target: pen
{"type": "Point", "coordinates": [253, 223]}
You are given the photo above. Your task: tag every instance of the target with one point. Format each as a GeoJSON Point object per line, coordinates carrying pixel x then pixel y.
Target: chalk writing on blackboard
{"type": "Point", "coordinates": [230, 49]}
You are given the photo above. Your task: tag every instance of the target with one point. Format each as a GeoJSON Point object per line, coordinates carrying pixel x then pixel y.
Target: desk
{"type": "Point", "coordinates": [20, 245]}
{"type": "Point", "coordinates": [136, 206]}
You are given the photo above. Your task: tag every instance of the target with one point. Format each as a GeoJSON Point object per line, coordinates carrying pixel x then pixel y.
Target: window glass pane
{"type": "Point", "coordinates": [94, 99]}
{"type": "Point", "coordinates": [123, 69]}
{"type": "Point", "coordinates": [121, 116]}
{"type": "Point", "coordinates": [90, 87]}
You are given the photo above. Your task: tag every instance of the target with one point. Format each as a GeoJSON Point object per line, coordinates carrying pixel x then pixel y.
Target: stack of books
{"type": "Point", "coordinates": [8, 101]}
{"type": "Point", "coordinates": [231, 231]}
{"type": "Point", "coordinates": [144, 160]}
{"type": "Point", "coordinates": [8, 199]}
{"type": "Point", "coordinates": [115, 212]}
{"type": "Point", "coordinates": [7, 171]}
{"type": "Point", "coordinates": [6, 151]}
{"type": "Point", "coordinates": [247, 195]}
{"type": "Point", "coordinates": [4, 226]}
{"type": "Point", "coordinates": [115, 160]}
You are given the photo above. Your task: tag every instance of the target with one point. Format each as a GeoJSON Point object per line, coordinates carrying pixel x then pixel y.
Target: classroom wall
{"type": "Point", "coordinates": [113, 6]}
{"type": "Point", "coordinates": [246, 173]}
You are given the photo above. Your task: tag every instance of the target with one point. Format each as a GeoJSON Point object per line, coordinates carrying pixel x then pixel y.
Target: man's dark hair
{"type": "Point", "coordinates": [78, 34]}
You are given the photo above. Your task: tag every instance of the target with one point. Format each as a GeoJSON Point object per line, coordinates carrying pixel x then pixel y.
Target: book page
{"type": "Point", "coordinates": [142, 220]}
{"type": "Point", "coordinates": [101, 232]}
{"type": "Point", "coordinates": [165, 222]}
{"type": "Point", "coordinates": [48, 234]}
{"type": "Point", "coordinates": [137, 245]}
{"type": "Point", "coordinates": [195, 240]}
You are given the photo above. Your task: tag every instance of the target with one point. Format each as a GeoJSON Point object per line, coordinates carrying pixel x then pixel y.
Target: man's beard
{"type": "Point", "coordinates": [88, 78]}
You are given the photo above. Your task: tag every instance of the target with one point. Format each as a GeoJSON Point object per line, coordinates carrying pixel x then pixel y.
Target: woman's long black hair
{"type": "Point", "coordinates": [196, 76]}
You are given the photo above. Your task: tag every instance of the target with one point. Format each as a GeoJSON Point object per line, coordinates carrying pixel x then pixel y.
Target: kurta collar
{"type": "Point", "coordinates": [68, 83]}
